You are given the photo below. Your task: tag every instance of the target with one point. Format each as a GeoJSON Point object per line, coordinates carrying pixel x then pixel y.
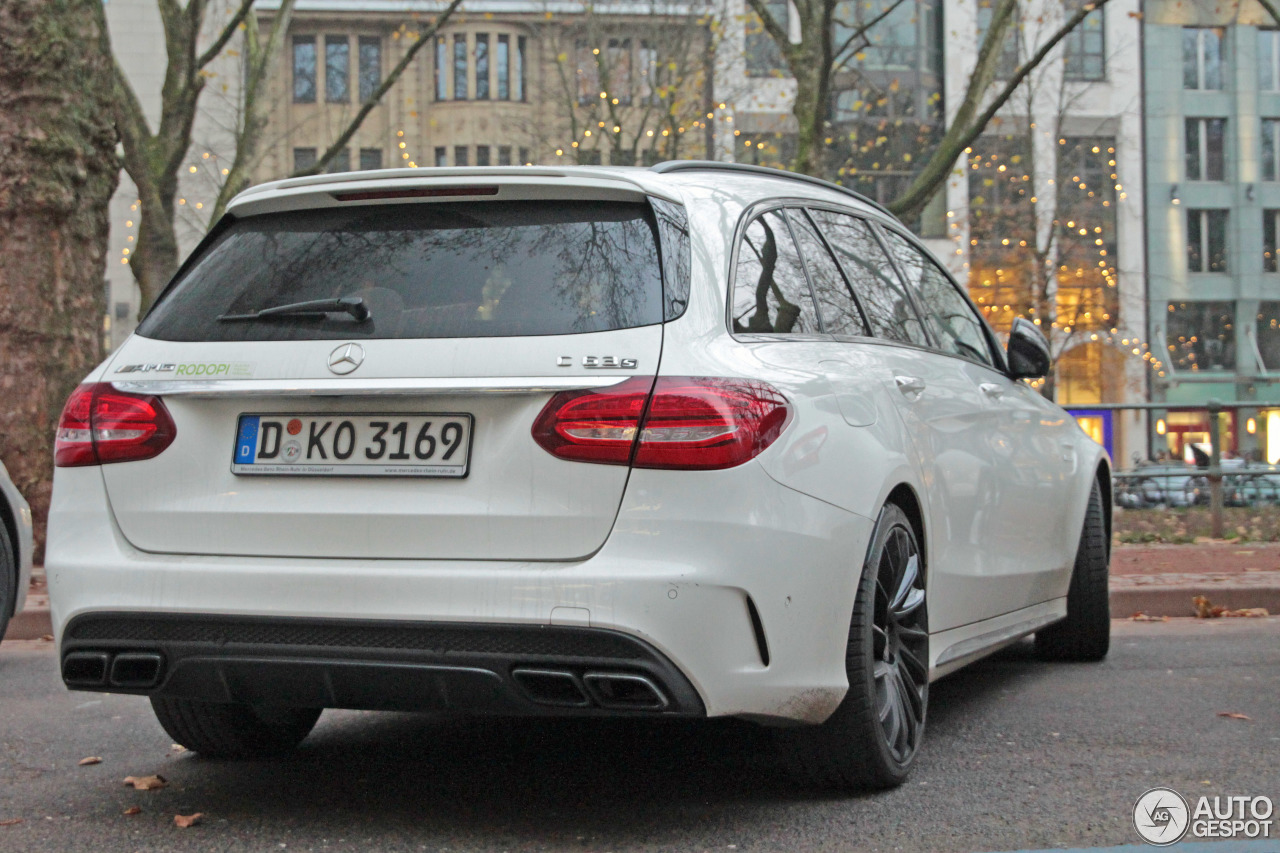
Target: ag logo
{"type": "Point", "coordinates": [1161, 816]}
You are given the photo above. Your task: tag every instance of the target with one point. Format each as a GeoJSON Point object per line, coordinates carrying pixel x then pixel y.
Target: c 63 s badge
{"type": "Point", "coordinates": [599, 362]}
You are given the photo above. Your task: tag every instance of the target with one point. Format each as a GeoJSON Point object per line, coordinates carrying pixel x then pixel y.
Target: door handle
{"type": "Point", "coordinates": [909, 385]}
{"type": "Point", "coordinates": [992, 390]}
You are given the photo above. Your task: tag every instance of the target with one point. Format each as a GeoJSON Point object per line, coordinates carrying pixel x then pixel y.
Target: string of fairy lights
{"type": "Point", "coordinates": [1101, 329]}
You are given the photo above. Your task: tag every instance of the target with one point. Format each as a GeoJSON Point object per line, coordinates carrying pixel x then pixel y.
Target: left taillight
{"type": "Point", "coordinates": [100, 424]}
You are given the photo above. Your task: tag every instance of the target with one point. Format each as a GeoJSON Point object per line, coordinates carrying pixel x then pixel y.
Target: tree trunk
{"type": "Point", "coordinates": [58, 170]}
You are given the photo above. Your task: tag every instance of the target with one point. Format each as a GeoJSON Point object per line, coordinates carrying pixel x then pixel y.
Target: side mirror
{"type": "Point", "coordinates": [1029, 356]}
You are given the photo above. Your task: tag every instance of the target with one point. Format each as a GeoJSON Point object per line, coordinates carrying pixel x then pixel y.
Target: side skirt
{"type": "Point", "coordinates": [966, 644]}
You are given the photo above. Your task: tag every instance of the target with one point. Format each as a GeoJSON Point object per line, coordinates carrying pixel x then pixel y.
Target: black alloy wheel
{"type": "Point", "coordinates": [872, 738]}
{"type": "Point", "coordinates": [900, 644]}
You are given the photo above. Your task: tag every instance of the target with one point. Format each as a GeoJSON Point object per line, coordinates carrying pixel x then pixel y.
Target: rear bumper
{"type": "Point", "coordinates": [374, 665]}
{"type": "Point", "coordinates": [740, 590]}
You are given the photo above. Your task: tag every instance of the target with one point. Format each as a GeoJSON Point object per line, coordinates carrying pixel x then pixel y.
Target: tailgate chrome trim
{"type": "Point", "coordinates": [403, 386]}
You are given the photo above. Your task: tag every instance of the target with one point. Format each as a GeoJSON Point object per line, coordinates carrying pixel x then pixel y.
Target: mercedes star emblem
{"type": "Point", "coordinates": [346, 358]}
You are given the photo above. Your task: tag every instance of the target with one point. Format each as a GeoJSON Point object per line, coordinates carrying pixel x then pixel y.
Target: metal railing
{"type": "Point", "coordinates": [1211, 479]}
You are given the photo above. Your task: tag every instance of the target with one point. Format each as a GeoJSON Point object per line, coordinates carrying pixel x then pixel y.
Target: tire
{"type": "Point", "coordinates": [8, 579]}
{"type": "Point", "coordinates": [218, 730]}
{"type": "Point", "coordinates": [873, 737]}
{"type": "Point", "coordinates": [1085, 635]}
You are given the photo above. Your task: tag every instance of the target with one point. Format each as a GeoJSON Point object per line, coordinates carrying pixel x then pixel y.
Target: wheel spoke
{"type": "Point", "coordinates": [894, 717]}
{"type": "Point", "coordinates": [908, 634]}
{"type": "Point", "coordinates": [908, 692]}
{"type": "Point", "coordinates": [910, 603]}
{"type": "Point", "coordinates": [916, 671]}
{"type": "Point", "coordinates": [909, 575]}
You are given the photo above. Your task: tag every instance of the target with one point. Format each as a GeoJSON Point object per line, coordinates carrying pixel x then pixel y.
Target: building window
{"type": "Point", "coordinates": [518, 77]}
{"type": "Point", "coordinates": [764, 59]}
{"type": "Point", "coordinates": [1269, 233]}
{"type": "Point", "coordinates": [460, 156]}
{"type": "Point", "coordinates": [504, 155]}
{"type": "Point", "coordinates": [1201, 335]}
{"type": "Point", "coordinates": [587, 72]}
{"type": "Point", "coordinates": [1084, 48]}
{"type": "Point", "coordinates": [442, 70]}
{"type": "Point", "coordinates": [337, 69]}
{"type": "Point", "coordinates": [370, 159]}
{"type": "Point", "coordinates": [1008, 63]}
{"type": "Point", "coordinates": [1270, 149]}
{"type": "Point", "coordinates": [460, 67]}
{"type": "Point", "coordinates": [1268, 329]}
{"type": "Point", "coordinates": [618, 62]}
{"type": "Point", "coordinates": [1202, 58]}
{"type": "Point", "coordinates": [1269, 60]}
{"type": "Point", "coordinates": [525, 158]}
{"type": "Point", "coordinates": [482, 66]}
{"type": "Point", "coordinates": [1207, 241]}
{"type": "Point", "coordinates": [647, 66]}
{"type": "Point", "coordinates": [442, 156]}
{"type": "Point", "coordinates": [303, 159]}
{"type": "Point", "coordinates": [482, 155]}
{"type": "Point", "coordinates": [370, 66]}
{"type": "Point", "coordinates": [503, 63]}
{"type": "Point", "coordinates": [1205, 140]}
{"type": "Point", "coordinates": [304, 69]}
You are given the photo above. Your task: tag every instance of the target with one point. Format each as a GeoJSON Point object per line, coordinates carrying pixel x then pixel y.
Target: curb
{"type": "Point", "coordinates": [1176, 600]}
{"type": "Point", "coordinates": [33, 623]}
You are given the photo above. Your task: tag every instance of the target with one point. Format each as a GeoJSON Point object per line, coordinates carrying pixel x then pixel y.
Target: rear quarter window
{"type": "Point", "coordinates": [478, 269]}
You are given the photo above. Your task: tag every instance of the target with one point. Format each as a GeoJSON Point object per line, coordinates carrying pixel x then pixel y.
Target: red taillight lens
{"type": "Point", "coordinates": [688, 423]}
{"type": "Point", "coordinates": [100, 424]}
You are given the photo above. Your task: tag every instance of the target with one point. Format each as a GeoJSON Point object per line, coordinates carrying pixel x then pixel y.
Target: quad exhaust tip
{"type": "Point", "coordinates": [615, 691]}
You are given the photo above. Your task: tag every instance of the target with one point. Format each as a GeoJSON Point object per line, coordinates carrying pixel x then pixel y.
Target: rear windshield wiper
{"type": "Point", "coordinates": [314, 309]}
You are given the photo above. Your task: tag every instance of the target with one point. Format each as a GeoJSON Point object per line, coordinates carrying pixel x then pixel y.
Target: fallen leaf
{"type": "Point", "coordinates": [1206, 609]}
{"type": "Point", "coordinates": [145, 783]}
{"type": "Point", "coordinates": [11, 821]}
{"type": "Point", "coordinates": [92, 759]}
{"type": "Point", "coordinates": [1142, 617]}
{"type": "Point", "coordinates": [187, 820]}
{"type": "Point", "coordinates": [133, 810]}
{"type": "Point", "coordinates": [48, 638]}
{"type": "Point", "coordinates": [177, 747]}
{"type": "Point", "coordinates": [1234, 716]}
{"type": "Point", "coordinates": [1249, 613]}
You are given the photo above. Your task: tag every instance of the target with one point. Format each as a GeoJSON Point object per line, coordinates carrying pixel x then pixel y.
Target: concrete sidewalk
{"type": "Point", "coordinates": [1158, 580]}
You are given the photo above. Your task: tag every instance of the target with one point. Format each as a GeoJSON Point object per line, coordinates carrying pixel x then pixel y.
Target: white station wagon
{"type": "Point", "coordinates": [700, 440]}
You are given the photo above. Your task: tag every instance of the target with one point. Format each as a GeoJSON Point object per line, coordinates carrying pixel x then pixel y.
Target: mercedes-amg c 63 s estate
{"type": "Point", "coordinates": [699, 440]}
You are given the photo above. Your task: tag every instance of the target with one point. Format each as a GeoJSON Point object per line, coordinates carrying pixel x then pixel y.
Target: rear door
{"type": "Point", "coordinates": [406, 434]}
{"type": "Point", "coordinates": [1018, 494]}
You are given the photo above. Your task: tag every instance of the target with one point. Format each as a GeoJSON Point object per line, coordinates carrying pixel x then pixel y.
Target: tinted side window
{"type": "Point", "coordinates": [770, 291]}
{"type": "Point", "coordinates": [952, 321]}
{"type": "Point", "coordinates": [836, 305]}
{"type": "Point", "coordinates": [871, 275]}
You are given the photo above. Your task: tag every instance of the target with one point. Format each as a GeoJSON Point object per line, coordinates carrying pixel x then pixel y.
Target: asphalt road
{"type": "Point", "coordinates": [1019, 754]}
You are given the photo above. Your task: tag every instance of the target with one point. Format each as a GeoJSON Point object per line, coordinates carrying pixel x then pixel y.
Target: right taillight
{"type": "Point", "coordinates": [100, 424]}
{"type": "Point", "coordinates": [687, 423]}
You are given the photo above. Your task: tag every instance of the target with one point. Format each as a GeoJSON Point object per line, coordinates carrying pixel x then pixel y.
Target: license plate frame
{"type": "Point", "coordinates": [246, 461]}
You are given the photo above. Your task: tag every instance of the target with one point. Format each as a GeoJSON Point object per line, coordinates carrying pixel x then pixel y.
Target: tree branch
{"type": "Point", "coordinates": [340, 143]}
{"type": "Point", "coordinates": [961, 134]}
{"type": "Point", "coordinates": [862, 30]}
{"type": "Point", "coordinates": [778, 32]}
{"type": "Point", "coordinates": [225, 36]}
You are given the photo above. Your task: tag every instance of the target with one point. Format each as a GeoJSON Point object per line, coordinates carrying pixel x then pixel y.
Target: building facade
{"type": "Point", "coordinates": [1213, 179]}
{"type": "Point", "coordinates": [1042, 217]}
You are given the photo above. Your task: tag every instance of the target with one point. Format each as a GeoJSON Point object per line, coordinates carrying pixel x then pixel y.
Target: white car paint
{"type": "Point", "coordinates": [19, 513]}
{"type": "Point", "coordinates": [667, 556]}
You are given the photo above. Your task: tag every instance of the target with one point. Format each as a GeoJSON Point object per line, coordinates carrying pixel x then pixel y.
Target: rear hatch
{"type": "Point", "coordinates": [406, 434]}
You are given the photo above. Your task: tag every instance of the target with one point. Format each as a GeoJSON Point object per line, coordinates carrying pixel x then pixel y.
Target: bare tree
{"type": "Point", "coordinates": [153, 158]}
{"type": "Point", "coordinates": [634, 86]}
{"type": "Point", "coordinates": [58, 170]}
{"type": "Point", "coordinates": [814, 57]}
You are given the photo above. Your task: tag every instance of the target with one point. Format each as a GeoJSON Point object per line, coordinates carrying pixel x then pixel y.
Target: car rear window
{"type": "Point", "coordinates": [479, 269]}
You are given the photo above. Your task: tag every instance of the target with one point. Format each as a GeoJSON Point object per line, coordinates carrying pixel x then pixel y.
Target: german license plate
{"type": "Point", "coordinates": [363, 445]}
